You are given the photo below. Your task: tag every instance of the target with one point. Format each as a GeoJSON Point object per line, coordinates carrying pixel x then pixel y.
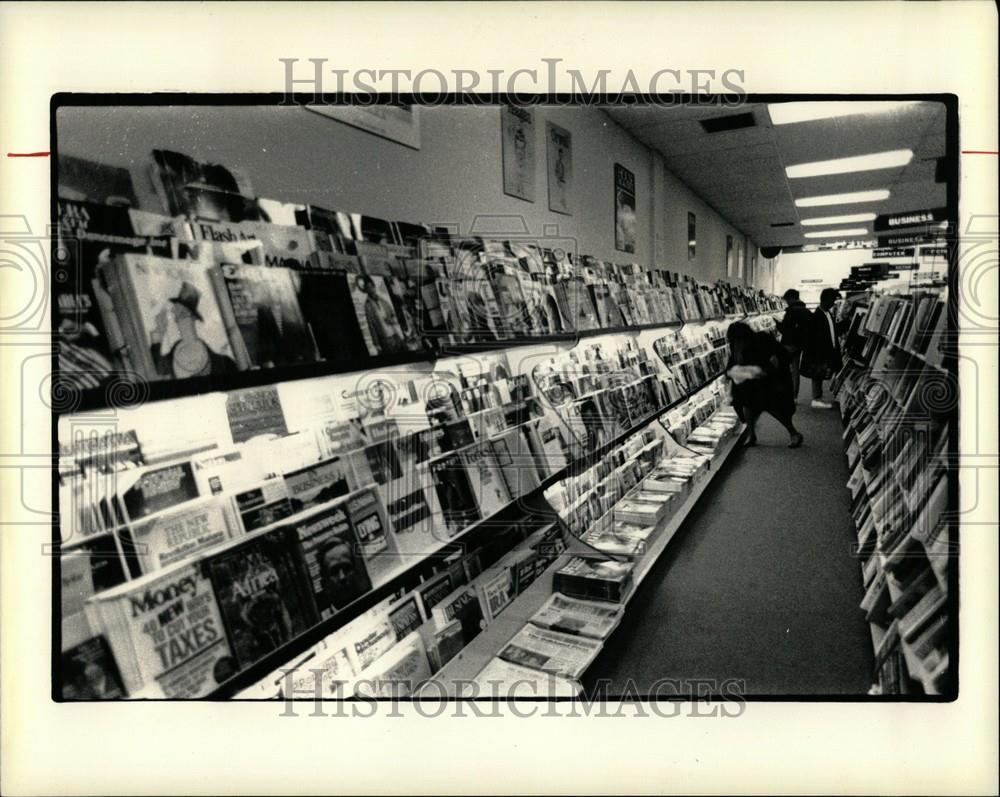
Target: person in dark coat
{"type": "Point", "coordinates": [762, 381]}
{"type": "Point", "coordinates": [795, 329]}
{"type": "Point", "coordinates": [821, 358]}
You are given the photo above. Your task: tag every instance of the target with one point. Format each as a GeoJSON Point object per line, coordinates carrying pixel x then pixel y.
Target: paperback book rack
{"type": "Point", "coordinates": [893, 394]}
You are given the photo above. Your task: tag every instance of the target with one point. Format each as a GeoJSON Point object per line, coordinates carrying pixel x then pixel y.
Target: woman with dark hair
{"type": "Point", "coordinates": [762, 380]}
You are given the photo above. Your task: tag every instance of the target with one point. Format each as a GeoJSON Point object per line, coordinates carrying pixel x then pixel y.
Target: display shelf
{"type": "Point", "coordinates": [407, 574]}
{"type": "Point", "coordinates": [470, 661]}
{"type": "Point", "coordinates": [128, 391]}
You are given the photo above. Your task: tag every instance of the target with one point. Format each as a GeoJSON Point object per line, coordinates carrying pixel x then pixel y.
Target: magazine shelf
{"type": "Point", "coordinates": [896, 436]}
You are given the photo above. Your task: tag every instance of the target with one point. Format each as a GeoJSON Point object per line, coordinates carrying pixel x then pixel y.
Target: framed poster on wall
{"type": "Point", "coordinates": [624, 209]}
{"type": "Point", "coordinates": [692, 235]}
{"type": "Point", "coordinates": [399, 123]}
{"type": "Point", "coordinates": [729, 255]}
{"type": "Point", "coordinates": [517, 132]}
{"type": "Point", "coordinates": [559, 145]}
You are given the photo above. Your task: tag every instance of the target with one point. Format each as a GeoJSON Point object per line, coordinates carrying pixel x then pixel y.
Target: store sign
{"type": "Point", "coordinates": [810, 282]}
{"type": "Point", "coordinates": [909, 238]}
{"type": "Point", "coordinates": [893, 252]}
{"type": "Point", "coordinates": [913, 218]}
{"type": "Point", "coordinates": [934, 251]}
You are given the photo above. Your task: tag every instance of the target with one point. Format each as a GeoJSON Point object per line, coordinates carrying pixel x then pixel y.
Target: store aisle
{"type": "Point", "coordinates": [759, 584]}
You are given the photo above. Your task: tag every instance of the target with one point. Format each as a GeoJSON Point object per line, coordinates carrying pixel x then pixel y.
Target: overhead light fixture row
{"type": "Point", "coordinates": [850, 218]}
{"type": "Point", "coordinates": [858, 163]}
{"type": "Point", "coordinates": [785, 113]}
{"type": "Point", "coordinates": [851, 198]}
{"type": "Point", "coordinates": [837, 233]}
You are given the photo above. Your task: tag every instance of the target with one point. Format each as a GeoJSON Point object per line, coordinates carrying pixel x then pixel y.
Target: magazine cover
{"type": "Point", "coordinates": [173, 172]}
{"type": "Point", "coordinates": [262, 595]}
{"type": "Point", "coordinates": [262, 505]}
{"type": "Point", "coordinates": [155, 488]}
{"type": "Point", "coordinates": [179, 330]}
{"type": "Point", "coordinates": [324, 298]}
{"type": "Point", "coordinates": [319, 483]}
{"type": "Point", "coordinates": [486, 479]}
{"type": "Point", "coordinates": [399, 673]}
{"type": "Point", "coordinates": [89, 672]}
{"type": "Point", "coordinates": [334, 565]}
{"type": "Point", "coordinates": [261, 310]}
{"type": "Point", "coordinates": [376, 314]}
{"type": "Point", "coordinates": [455, 492]}
{"type": "Point", "coordinates": [179, 534]}
{"type": "Point", "coordinates": [283, 245]}
{"type": "Point", "coordinates": [376, 542]}
{"type": "Point", "coordinates": [405, 617]}
{"type": "Point", "coordinates": [90, 339]}
{"type": "Point", "coordinates": [166, 634]}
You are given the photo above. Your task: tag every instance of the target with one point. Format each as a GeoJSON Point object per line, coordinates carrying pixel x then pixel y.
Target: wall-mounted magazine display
{"type": "Point", "coordinates": [291, 506]}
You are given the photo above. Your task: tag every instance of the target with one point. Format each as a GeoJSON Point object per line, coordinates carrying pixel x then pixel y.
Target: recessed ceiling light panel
{"type": "Point", "coordinates": [785, 113]}
{"type": "Point", "coordinates": [850, 218]}
{"type": "Point", "coordinates": [859, 163]}
{"type": "Point", "coordinates": [836, 233]}
{"type": "Point", "coordinates": [854, 197]}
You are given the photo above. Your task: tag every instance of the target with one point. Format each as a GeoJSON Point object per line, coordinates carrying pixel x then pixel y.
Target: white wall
{"type": "Point", "coordinates": [810, 272]}
{"type": "Point", "coordinates": [294, 155]}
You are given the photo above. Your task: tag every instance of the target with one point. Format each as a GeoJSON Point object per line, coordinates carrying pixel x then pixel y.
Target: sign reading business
{"type": "Point", "coordinates": [912, 218]}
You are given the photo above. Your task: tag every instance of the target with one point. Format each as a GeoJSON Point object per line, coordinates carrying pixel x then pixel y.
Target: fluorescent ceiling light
{"type": "Point", "coordinates": [848, 219]}
{"type": "Point", "coordinates": [784, 113]}
{"type": "Point", "coordinates": [835, 233]}
{"type": "Point", "coordinates": [851, 198]}
{"type": "Point", "coordinates": [859, 163]}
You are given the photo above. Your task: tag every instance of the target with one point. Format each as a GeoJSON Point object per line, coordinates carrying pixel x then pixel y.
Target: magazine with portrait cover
{"type": "Point", "coordinates": [168, 311]}
{"type": "Point", "coordinates": [263, 594]}
{"type": "Point", "coordinates": [166, 633]}
{"type": "Point", "coordinates": [334, 566]}
{"type": "Point", "coordinates": [376, 314]}
{"type": "Point", "coordinates": [260, 309]}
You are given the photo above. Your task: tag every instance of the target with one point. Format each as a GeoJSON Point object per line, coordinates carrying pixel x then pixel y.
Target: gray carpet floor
{"type": "Point", "coordinates": [759, 586]}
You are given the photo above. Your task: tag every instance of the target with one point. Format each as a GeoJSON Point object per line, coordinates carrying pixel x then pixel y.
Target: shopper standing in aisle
{"type": "Point", "coordinates": [821, 359]}
{"type": "Point", "coordinates": [794, 329]}
{"type": "Point", "coordinates": [762, 381]}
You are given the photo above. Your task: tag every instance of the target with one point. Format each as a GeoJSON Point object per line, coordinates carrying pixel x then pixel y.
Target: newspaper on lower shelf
{"type": "Point", "coordinates": [551, 651]}
{"type": "Point", "coordinates": [579, 617]}
{"type": "Point", "coordinates": [500, 680]}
